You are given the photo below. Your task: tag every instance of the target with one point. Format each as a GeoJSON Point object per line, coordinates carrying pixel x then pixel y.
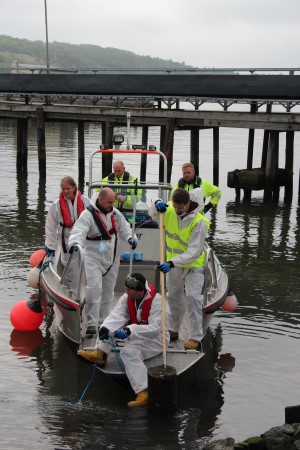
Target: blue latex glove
{"type": "Point", "coordinates": [161, 206]}
{"type": "Point", "coordinates": [103, 333]}
{"type": "Point", "coordinates": [165, 267]}
{"type": "Point", "coordinates": [122, 333]}
{"type": "Point", "coordinates": [49, 252]}
{"type": "Point", "coordinates": [133, 243]}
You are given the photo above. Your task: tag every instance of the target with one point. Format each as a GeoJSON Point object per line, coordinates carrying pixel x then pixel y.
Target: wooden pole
{"type": "Point", "coordinates": [80, 138]}
{"type": "Point", "coordinates": [289, 166]}
{"type": "Point", "coordinates": [265, 141]}
{"type": "Point", "coordinates": [272, 161]}
{"type": "Point", "coordinates": [253, 109]}
{"type": "Point", "coordinates": [162, 288]}
{"type": "Point", "coordinates": [22, 146]}
{"type": "Point", "coordinates": [216, 158]}
{"type": "Point", "coordinates": [107, 134]}
{"type": "Point", "coordinates": [194, 148]}
{"type": "Point", "coordinates": [41, 139]}
{"type": "Point", "coordinates": [143, 171]}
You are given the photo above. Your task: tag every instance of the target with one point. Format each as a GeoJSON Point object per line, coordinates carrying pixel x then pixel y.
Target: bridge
{"type": "Point", "coordinates": [171, 99]}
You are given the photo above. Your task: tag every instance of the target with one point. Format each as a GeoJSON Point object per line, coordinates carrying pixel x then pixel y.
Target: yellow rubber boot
{"type": "Point", "coordinates": [95, 356]}
{"type": "Point", "coordinates": [191, 344]}
{"type": "Point", "coordinates": [141, 399]}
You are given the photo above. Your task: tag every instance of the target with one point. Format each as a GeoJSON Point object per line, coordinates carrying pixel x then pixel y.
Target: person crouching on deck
{"type": "Point", "coordinates": [136, 318]}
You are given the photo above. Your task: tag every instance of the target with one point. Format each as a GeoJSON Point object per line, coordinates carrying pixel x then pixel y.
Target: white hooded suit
{"type": "Point", "coordinates": [102, 259]}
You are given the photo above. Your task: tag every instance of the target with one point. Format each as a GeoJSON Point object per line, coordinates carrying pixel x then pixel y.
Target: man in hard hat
{"type": "Point", "coordinates": [186, 231]}
{"type": "Point", "coordinates": [98, 231]}
{"type": "Point", "coordinates": [137, 319]}
{"type": "Point", "coordinates": [191, 181]}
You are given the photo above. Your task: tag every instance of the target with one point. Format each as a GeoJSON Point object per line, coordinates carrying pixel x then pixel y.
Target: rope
{"type": "Point", "coordinates": [88, 385]}
{"type": "Point", "coordinates": [118, 359]}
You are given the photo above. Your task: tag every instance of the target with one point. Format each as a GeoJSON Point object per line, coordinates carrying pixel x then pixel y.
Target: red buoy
{"type": "Point", "coordinates": [37, 257]}
{"type": "Point", "coordinates": [230, 303]}
{"type": "Point", "coordinates": [26, 315]}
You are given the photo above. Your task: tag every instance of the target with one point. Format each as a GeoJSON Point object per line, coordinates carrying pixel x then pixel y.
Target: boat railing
{"type": "Point", "coordinates": [77, 253]}
{"type": "Point", "coordinates": [211, 274]}
{"type": "Point", "coordinates": [163, 186]}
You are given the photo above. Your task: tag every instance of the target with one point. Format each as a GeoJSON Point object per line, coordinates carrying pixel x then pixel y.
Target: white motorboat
{"type": "Point", "coordinates": [69, 305]}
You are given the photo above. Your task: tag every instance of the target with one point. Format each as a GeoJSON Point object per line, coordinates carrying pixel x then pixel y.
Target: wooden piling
{"type": "Point", "coordinates": [271, 165]}
{"type": "Point", "coordinates": [194, 148]}
{"type": "Point", "coordinates": [22, 146]}
{"type": "Point", "coordinates": [166, 147]}
{"type": "Point", "coordinates": [143, 170]}
{"type": "Point", "coordinates": [80, 139]}
{"type": "Point", "coordinates": [216, 159]}
{"type": "Point", "coordinates": [253, 109]}
{"type": "Point", "coordinates": [41, 140]}
{"type": "Point", "coordinates": [265, 141]}
{"type": "Point", "coordinates": [289, 166]}
{"type": "Point", "coordinates": [107, 135]}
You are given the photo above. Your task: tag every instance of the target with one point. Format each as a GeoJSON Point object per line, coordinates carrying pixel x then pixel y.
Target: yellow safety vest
{"type": "Point", "coordinates": [177, 239]}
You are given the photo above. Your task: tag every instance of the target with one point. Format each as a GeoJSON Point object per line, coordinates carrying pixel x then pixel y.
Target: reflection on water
{"type": "Point", "coordinates": [250, 369]}
{"type": "Point", "coordinates": [102, 419]}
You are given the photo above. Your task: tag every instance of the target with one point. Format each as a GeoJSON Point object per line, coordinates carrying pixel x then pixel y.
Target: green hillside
{"type": "Point", "coordinates": [23, 51]}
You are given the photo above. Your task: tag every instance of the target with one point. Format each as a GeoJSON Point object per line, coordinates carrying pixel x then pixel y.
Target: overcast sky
{"type": "Point", "coordinates": [202, 33]}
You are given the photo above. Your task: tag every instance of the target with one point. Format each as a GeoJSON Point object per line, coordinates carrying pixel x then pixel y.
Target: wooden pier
{"type": "Point", "coordinates": [172, 101]}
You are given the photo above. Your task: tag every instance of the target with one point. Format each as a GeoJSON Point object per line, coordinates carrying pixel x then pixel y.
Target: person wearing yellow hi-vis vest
{"type": "Point", "coordinates": [186, 231]}
{"type": "Point", "coordinates": [191, 181]}
{"type": "Point", "coordinates": [123, 196]}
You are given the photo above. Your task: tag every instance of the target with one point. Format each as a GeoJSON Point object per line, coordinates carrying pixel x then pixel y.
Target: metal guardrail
{"type": "Point", "coordinates": [23, 68]}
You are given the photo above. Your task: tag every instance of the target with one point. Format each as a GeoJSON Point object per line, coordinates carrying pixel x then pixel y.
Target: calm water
{"type": "Point", "coordinates": [251, 368]}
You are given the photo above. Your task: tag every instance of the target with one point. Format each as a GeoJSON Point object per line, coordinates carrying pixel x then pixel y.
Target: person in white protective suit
{"type": "Point", "coordinates": [186, 231]}
{"type": "Point", "coordinates": [60, 219]}
{"type": "Point", "coordinates": [97, 231]}
{"type": "Point", "coordinates": [136, 318]}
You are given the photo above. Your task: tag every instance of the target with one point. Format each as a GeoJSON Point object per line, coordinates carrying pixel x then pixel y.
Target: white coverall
{"type": "Point", "coordinates": [145, 341]}
{"type": "Point", "coordinates": [54, 231]}
{"type": "Point", "coordinates": [53, 228]}
{"type": "Point", "coordinates": [98, 258]}
{"type": "Point", "coordinates": [186, 284]}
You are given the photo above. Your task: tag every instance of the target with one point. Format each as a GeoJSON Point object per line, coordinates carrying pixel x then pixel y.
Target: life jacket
{"type": "Point", "coordinates": [106, 234]}
{"type": "Point", "coordinates": [66, 216]}
{"type": "Point", "coordinates": [145, 306]}
{"type": "Point", "coordinates": [196, 183]}
{"type": "Point", "coordinates": [67, 221]}
{"type": "Point", "coordinates": [177, 239]}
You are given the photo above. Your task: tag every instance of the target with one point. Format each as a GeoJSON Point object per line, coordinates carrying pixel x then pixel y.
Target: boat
{"type": "Point", "coordinates": [69, 305]}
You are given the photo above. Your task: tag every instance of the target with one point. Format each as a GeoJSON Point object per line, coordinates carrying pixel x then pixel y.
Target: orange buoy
{"type": "Point", "coordinates": [230, 303]}
{"type": "Point", "coordinates": [37, 257]}
{"type": "Point", "coordinates": [26, 315]}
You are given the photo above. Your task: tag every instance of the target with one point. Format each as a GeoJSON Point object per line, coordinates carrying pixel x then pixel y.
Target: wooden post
{"type": "Point", "coordinates": [194, 149]}
{"type": "Point", "coordinates": [216, 151]}
{"type": "Point", "coordinates": [143, 170]}
{"type": "Point", "coordinates": [289, 166]}
{"type": "Point", "coordinates": [80, 138]}
{"type": "Point", "coordinates": [272, 162]}
{"type": "Point", "coordinates": [41, 140]}
{"type": "Point", "coordinates": [253, 109]}
{"type": "Point", "coordinates": [107, 134]}
{"type": "Point", "coordinates": [265, 141]}
{"type": "Point", "coordinates": [22, 146]}
{"type": "Point", "coordinates": [166, 146]}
